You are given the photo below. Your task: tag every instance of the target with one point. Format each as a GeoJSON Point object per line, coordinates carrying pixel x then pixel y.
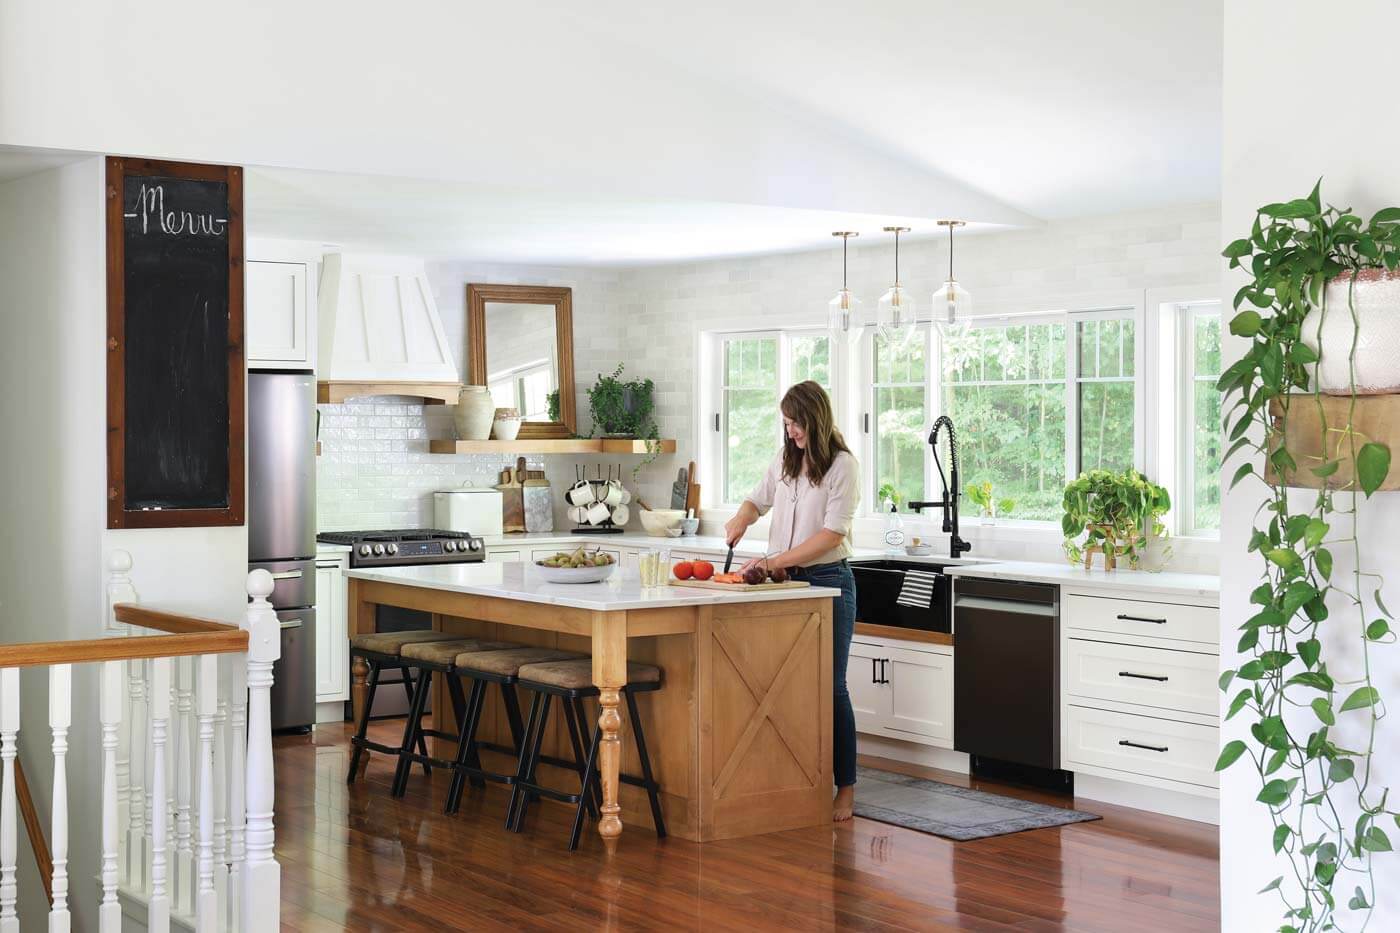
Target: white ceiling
{"type": "Point", "coordinates": [627, 133]}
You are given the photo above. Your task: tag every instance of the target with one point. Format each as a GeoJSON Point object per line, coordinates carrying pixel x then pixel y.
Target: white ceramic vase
{"type": "Point", "coordinates": [506, 429]}
{"type": "Point", "coordinates": [475, 411]}
{"type": "Point", "coordinates": [1376, 298]}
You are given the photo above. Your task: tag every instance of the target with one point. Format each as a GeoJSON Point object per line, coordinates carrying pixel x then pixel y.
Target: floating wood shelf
{"type": "Point", "coordinates": [907, 634]}
{"type": "Point", "coordinates": [1375, 418]}
{"type": "Point", "coordinates": [542, 445]}
{"type": "Point", "coordinates": [432, 393]}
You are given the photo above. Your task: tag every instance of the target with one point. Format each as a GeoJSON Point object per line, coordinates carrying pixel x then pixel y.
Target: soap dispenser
{"type": "Point", "coordinates": [894, 531]}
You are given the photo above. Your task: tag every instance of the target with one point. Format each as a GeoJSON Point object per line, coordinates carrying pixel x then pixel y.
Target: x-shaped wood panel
{"type": "Point", "coordinates": [789, 732]}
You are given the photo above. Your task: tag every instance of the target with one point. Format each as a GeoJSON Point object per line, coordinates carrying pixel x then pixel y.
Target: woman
{"type": "Point", "coordinates": [813, 487]}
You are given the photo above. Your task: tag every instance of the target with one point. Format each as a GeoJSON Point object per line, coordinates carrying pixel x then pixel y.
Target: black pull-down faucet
{"type": "Point", "coordinates": [949, 503]}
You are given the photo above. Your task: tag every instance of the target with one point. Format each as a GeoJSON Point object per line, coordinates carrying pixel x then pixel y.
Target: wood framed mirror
{"type": "Point", "coordinates": [520, 345]}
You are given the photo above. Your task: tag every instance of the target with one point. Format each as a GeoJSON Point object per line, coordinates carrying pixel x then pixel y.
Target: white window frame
{"type": "Point", "coordinates": [715, 424]}
{"type": "Point", "coordinates": [867, 415]}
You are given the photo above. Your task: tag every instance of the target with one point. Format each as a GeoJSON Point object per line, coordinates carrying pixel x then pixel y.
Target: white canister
{"type": "Point", "coordinates": [506, 429]}
{"type": "Point", "coordinates": [473, 509]}
{"type": "Point", "coordinates": [1375, 296]}
{"type": "Point", "coordinates": [474, 413]}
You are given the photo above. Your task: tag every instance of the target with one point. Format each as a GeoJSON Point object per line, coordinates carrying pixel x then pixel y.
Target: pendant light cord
{"type": "Point", "coordinates": [845, 241]}
{"type": "Point", "coordinates": [896, 257]}
{"type": "Point", "coordinates": [950, 252]}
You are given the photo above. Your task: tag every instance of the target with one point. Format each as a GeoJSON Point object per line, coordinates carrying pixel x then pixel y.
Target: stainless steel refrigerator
{"type": "Point", "coordinates": [282, 529]}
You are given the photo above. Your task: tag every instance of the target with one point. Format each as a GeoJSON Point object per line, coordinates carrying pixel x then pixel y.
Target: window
{"type": "Point", "coordinates": [754, 369]}
{"type": "Point", "coordinates": [1197, 497]}
{"type": "Point", "coordinates": [1106, 394]}
{"type": "Point", "coordinates": [749, 411]}
{"type": "Point", "coordinates": [900, 424]}
{"type": "Point", "coordinates": [1004, 387]}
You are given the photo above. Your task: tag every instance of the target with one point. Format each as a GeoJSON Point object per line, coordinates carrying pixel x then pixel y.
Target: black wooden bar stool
{"type": "Point", "coordinates": [572, 681]}
{"type": "Point", "coordinates": [482, 668]}
{"type": "Point", "coordinates": [427, 658]}
{"type": "Point", "coordinates": [382, 650]}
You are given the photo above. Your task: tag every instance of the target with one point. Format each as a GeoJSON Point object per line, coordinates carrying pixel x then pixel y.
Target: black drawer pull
{"type": "Point", "coordinates": [1155, 677]}
{"type": "Point", "coordinates": [874, 677]}
{"type": "Point", "coordinates": [1150, 748]}
{"type": "Point", "coordinates": [1123, 616]}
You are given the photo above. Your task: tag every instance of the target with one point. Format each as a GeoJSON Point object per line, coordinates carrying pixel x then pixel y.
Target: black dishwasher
{"type": "Point", "coordinates": [1006, 679]}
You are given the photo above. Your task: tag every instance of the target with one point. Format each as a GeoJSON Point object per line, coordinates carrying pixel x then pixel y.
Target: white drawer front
{"type": "Point", "coordinates": [1157, 677]}
{"type": "Point", "coordinates": [1138, 617]}
{"type": "Point", "coordinates": [1161, 748]}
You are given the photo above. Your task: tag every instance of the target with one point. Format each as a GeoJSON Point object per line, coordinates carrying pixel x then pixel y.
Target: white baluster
{"type": "Point", "coordinates": [148, 749]}
{"type": "Point", "coordinates": [172, 858]}
{"type": "Point", "coordinates": [184, 761]}
{"type": "Point", "coordinates": [113, 694]}
{"type": "Point", "coordinates": [119, 588]}
{"type": "Point", "coordinates": [206, 903]}
{"type": "Point", "coordinates": [9, 843]}
{"type": "Point", "coordinates": [122, 768]}
{"type": "Point", "coordinates": [237, 754]}
{"type": "Point", "coordinates": [158, 907]}
{"type": "Point", "coordinates": [262, 885]}
{"type": "Point", "coordinates": [60, 719]}
{"type": "Point", "coordinates": [220, 805]}
{"type": "Point", "coordinates": [137, 877]}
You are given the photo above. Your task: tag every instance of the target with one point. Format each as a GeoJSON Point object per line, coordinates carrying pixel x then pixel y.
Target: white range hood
{"type": "Point", "coordinates": [379, 331]}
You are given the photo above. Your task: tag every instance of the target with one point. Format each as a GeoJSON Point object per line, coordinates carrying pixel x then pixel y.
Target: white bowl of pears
{"type": "Point", "coordinates": [580, 565]}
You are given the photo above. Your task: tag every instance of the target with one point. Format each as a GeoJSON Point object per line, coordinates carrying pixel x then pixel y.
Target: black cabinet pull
{"type": "Point", "coordinates": [1150, 748]}
{"type": "Point", "coordinates": [884, 674]}
{"type": "Point", "coordinates": [874, 671]}
{"type": "Point", "coordinates": [1123, 616]}
{"type": "Point", "coordinates": [1155, 677]}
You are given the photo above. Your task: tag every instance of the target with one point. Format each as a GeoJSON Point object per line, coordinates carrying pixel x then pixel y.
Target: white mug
{"type": "Point", "coordinates": [578, 514]}
{"type": "Point", "coordinates": [626, 496]}
{"type": "Point", "coordinates": [614, 494]}
{"type": "Point", "coordinates": [581, 493]}
{"type": "Point", "coordinates": [620, 514]}
{"type": "Point", "coordinates": [598, 513]}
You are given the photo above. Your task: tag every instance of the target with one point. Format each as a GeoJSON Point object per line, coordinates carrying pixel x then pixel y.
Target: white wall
{"type": "Point", "coordinates": [53, 479]}
{"type": "Point", "coordinates": [1351, 145]}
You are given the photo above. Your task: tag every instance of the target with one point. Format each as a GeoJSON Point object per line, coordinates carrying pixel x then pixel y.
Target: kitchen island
{"type": "Point", "coordinates": [739, 736]}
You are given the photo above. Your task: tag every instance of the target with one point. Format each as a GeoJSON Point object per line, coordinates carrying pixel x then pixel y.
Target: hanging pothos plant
{"type": "Point", "coordinates": [1328, 817]}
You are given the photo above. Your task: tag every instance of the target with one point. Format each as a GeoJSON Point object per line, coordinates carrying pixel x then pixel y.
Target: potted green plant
{"type": "Point", "coordinates": [621, 409]}
{"type": "Point", "coordinates": [1305, 267]}
{"type": "Point", "coordinates": [1115, 513]}
{"type": "Point", "coordinates": [985, 499]}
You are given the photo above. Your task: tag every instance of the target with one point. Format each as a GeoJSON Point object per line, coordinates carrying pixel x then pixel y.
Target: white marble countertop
{"type": "Point", "coordinates": [523, 581]}
{"type": "Point", "coordinates": [1128, 582]}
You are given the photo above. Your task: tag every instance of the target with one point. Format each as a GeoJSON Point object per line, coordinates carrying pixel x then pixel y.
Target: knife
{"type": "Point", "coordinates": [728, 559]}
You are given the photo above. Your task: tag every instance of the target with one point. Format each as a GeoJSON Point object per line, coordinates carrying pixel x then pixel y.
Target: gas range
{"type": "Point", "coordinates": [407, 547]}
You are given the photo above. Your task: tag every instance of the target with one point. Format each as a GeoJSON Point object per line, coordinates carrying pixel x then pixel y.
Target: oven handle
{"type": "Point", "coordinates": [1010, 606]}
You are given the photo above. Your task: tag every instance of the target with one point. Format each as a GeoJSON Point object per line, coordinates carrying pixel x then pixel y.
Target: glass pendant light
{"type": "Point", "coordinates": [951, 304]}
{"type": "Point", "coordinates": [895, 313]}
{"type": "Point", "coordinates": [843, 311]}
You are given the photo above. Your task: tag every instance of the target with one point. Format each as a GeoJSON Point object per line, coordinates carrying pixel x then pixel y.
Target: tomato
{"type": "Point", "coordinates": [703, 569]}
{"type": "Point", "coordinates": [684, 570]}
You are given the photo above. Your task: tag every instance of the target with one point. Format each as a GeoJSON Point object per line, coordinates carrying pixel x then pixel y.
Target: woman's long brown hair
{"type": "Point", "coordinates": [809, 407]}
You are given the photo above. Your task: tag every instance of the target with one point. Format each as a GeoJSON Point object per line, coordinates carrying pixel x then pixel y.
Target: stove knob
{"type": "Point", "coordinates": [379, 550]}
{"type": "Point", "coordinates": [392, 548]}
{"type": "Point", "coordinates": [449, 546]}
{"type": "Point", "coordinates": [364, 550]}
{"type": "Point", "coordinates": [474, 544]}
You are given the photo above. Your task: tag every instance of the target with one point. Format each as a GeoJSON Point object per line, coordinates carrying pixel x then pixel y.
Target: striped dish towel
{"type": "Point", "coordinates": [917, 591]}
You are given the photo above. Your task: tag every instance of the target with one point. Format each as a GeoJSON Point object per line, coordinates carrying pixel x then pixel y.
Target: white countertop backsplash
{"type": "Point", "coordinates": [525, 582]}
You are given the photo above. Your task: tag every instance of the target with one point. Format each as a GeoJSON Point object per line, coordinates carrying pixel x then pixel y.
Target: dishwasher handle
{"type": "Point", "coordinates": [1009, 606]}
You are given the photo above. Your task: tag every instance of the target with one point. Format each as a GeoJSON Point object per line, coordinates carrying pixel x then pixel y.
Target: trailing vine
{"type": "Point", "coordinates": [1327, 814]}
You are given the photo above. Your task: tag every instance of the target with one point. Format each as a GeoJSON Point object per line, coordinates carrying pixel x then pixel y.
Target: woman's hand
{"type": "Point", "coordinates": [734, 528]}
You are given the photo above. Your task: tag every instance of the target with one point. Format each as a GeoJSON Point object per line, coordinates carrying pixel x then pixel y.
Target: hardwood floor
{"type": "Point", "coordinates": [353, 858]}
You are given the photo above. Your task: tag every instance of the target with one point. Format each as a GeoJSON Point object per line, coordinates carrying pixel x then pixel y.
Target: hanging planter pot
{"type": "Point", "coordinates": [1375, 297]}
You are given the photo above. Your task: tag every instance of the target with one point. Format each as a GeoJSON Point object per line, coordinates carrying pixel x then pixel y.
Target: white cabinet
{"type": "Point", "coordinates": [902, 690]}
{"type": "Point", "coordinates": [498, 555]}
{"type": "Point", "coordinates": [278, 299]}
{"type": "Point", "coordinates": [332, 634]}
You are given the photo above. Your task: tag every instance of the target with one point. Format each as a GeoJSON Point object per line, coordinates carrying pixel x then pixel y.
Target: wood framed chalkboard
{"type": "Point", "coordinates": [175, 370]}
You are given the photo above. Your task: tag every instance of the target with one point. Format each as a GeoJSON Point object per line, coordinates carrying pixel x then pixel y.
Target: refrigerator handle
{"type": "Point", "coordinates": [291, 623]}
{"type": "Point", "coordinates": [288, 575]}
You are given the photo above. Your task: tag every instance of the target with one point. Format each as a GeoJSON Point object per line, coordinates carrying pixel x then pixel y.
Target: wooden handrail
{"type": "Point", "coordinates": [162, 620]}
{"type": "Point", "coordinates": [45, 653]}
{"type": "Point", "coordinates": [35, 830]}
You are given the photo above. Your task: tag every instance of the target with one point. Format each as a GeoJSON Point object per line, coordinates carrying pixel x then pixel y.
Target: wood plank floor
{"type": "Point", "coordinates": [355, 859]}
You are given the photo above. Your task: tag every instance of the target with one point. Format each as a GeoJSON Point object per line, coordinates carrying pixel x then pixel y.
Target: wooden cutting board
{"type": "Point", "coordinates": [740, 587]}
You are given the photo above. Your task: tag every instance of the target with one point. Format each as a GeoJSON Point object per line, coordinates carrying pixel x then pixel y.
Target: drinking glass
{"type": "Point", "coordinates": [649, 561]}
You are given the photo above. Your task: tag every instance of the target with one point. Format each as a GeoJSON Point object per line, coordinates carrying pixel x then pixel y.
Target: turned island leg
{"type": "Point", "coordinates": [609, 676]}
{"type": "Point", "coordinates": [361, 622]}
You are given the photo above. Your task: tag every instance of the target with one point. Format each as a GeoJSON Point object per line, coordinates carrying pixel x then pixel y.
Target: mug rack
{"type": "Point", "coordinates": [598, 485]}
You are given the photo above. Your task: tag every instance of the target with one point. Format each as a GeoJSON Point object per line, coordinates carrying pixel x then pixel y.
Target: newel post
{"type": "Point", "coordinates": [262, 879]}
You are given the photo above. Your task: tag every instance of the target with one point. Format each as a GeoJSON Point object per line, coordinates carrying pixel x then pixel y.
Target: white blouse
{"type": "Point", "coordinates": [800, 509]}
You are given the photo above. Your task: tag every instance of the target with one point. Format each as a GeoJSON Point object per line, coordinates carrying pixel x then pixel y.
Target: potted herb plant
{"type": "Point", "coordinates": [621, 409]}
{"type": "Point", "coordinates": [1116, 514]}
{"type": "Point", "coordinates": [985, 499]}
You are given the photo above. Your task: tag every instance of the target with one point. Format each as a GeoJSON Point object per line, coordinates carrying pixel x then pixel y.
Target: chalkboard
{"type": "Point", "coordinates": [175, 331]}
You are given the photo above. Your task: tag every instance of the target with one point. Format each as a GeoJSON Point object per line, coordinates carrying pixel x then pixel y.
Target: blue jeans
{"type": "Point", "coordinates": [843, 616]}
